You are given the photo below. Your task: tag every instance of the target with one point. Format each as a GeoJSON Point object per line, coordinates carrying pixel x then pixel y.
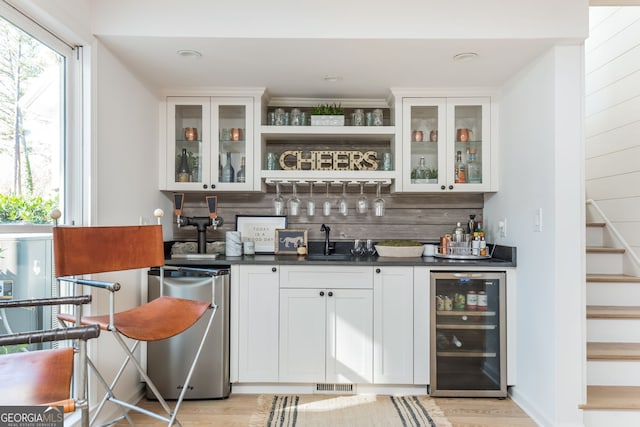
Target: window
{"type": "Point", "coordinates": [40, 85]}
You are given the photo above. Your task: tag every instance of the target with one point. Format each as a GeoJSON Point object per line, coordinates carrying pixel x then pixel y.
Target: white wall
{"type": "Point", "coordinates": [612, 66]}
{"type": "Point", "coordinates": [458, 19]}
{"type": "Point", "coordinates": [540, 122]}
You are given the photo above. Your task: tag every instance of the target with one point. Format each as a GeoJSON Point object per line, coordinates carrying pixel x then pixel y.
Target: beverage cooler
{"type": "Point", "coordinates": [468, 334]}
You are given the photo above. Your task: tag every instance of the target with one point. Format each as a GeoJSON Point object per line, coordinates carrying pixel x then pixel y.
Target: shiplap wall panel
{"type": "Point", "coordinates": [616, 163]}
{"type": "Point", "coordinates": [616, 116]}
{"type": "Point", "coordinates": [612, 122]}
{"type": "Point", "coordinates": [423, 217]}
{"type": "Point", "coordinates": [613, 140]}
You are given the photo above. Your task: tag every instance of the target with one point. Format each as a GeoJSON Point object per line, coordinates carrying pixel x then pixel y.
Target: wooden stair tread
{"type": "Point", "coordinates": [613, 351]}
{"type": "Point", "coordinates": [604, 250]}
{"type": "Point", "coordinates": [596, 224]}
{"type": "Point", "coordinates": [612, 312]}
{"type": "Point", "coordinates": [612, 397]}
{"type": "Point", "coordinates": [612, 278]}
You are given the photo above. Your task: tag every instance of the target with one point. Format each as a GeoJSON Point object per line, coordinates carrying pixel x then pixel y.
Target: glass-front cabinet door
{"type": "Point", "coordinates": [209, 143]}
{"type": "Point", "coordinates": [469, 157]}
{"type": "Point", "coordinates": [423, 136]}
{"type": "Point", "coordinates": [232, 133]}
{"type": "Point", "coordinates": [468, 334]}
{"type": "Point", "coordinates": [446, 144]}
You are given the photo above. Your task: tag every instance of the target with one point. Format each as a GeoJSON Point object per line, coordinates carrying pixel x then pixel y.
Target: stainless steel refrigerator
{"type": "Point", "coordinates": [168, 360]}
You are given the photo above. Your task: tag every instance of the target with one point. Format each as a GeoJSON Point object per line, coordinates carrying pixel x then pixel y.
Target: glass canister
{"type": "Point", "coordinates": [279, 117]}
{"type": "Point", "coordinates": [378, 117]}
{"type": "Point", "coordinates": [295, 117]}
{"type": "Point", "coordinates": [358, 117]}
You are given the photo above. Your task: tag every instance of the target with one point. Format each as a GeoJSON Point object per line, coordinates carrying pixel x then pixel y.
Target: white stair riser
{"type": "Point", "coordinates": [614, 293]}
{"type": "Point", "coordinates": [595, 236]}
{"type": "Point", "coordinates": [613, 330]}
{"type": "Point", "coordinates": [613, 372]}
{"type": "Point", "coordinates": [601, 418]}
{"type": "Point", "coordinates": [599, 263]}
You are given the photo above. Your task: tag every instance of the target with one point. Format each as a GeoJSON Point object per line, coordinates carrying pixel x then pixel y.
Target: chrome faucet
{"type": "Point", "coordinates": [327, 243]}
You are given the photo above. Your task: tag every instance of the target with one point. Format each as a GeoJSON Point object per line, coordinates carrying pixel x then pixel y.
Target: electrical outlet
{"type": "Point", "coordinates": [502, 227]}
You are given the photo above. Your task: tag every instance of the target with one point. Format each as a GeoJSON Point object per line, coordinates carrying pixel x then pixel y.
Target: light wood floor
{"type": "Point", "coordinates": [237, 411]}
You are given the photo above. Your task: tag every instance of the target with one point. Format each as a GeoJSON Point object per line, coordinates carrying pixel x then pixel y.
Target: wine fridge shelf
{"type": "Point", "coordinates": [464, 313]}
{"type": "Point", "coordinates": [458, 326]}
{"type": "Point", "coordinates": [464, 354]}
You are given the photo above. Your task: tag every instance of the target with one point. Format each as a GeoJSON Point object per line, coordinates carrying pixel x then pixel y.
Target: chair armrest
{"type": "Point", "coordinates": [38, 302]}
{"type": "Point", "coordinates": [110, 286]}
{"type": "Point", "coordinates": [79, 332]}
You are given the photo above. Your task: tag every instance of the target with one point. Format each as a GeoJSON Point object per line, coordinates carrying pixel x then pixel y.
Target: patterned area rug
{"type": "Point", "coordinates": [352, 411]}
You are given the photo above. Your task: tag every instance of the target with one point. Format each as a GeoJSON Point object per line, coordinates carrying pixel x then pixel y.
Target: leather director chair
{"type": "Point", "coordinates": [44, 377]}
{"type": "Point", "coordinates": [89, 250]}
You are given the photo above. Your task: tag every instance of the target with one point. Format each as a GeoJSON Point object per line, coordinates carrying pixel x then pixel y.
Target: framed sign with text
{"type": "Point", "coordinates": [261, 229]}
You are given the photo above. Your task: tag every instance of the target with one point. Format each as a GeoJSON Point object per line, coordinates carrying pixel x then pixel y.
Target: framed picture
{"type": "Point", "coordinates": [287, 241]}
{"type": "Point", "coordinates": [261, 229]}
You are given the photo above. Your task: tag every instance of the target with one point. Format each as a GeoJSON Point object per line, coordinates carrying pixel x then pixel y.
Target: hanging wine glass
{"type": "Point", "coordinates": [362, 204]}
{"type": "Point", "coordinates": [311, 204]}
{"type": "Point", "coordinates": [326, 205]}
{"type": "Point", "coordinates": [294, 201]}
{"type": "Point", "coordinates": [278, 201]}
{"type": "Point", "coordinates": [378, 203]}
{"type": "Point", "coordinates": [343, 205]}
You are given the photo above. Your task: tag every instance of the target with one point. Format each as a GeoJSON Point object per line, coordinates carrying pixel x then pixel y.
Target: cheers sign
{"type": "Point", "coordinates": [329, 160]}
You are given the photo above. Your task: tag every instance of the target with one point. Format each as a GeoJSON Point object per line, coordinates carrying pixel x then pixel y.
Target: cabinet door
{"type": "Point", "coordinates": [349, 336]}
{"type": "Point", "coordinates": [302, 335]}
{"type": "Point", "coordinates": [188, 143]}
{"type": "Point", "coordinates": [468, 133]}
{"type": "Point", "coordinates": [232, 135]}
{"type": "Point", "coordinates": [423, 141]}
{"type": "Point", "coordinates": [393, 325]}
{"type": "Point", "coordinates": [258, 323]}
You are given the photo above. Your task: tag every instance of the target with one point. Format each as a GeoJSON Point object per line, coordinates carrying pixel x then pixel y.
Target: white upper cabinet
{"type": "Point", "coordinates": [209, 144]}
{"type": "Point", "coordinates": [446, 144]}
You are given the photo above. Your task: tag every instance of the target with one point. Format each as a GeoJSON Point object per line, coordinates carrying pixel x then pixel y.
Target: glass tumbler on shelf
{"type": "Point", "coordinates": [358, 117]}
{"type": "Point", "coordinates": [278, 201]}
{"type": "Point", "coordinates": [326, 205]}
{"type": "Point", "coordinates": [378, 203]}
{"type": "Point", "coordinates": [295, 117]}
{"type": "Point", "coordinates": [294, 201]}
{"type": "Point", "coordinates": [377, 117]}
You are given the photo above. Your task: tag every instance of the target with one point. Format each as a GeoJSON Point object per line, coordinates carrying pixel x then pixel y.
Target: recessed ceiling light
{"type": "Point", "coordinates": [188, 53]}
{"type": "Point", "coordinates": [465, 56]}
{"type": "Point", "coordinates": [332, 78]}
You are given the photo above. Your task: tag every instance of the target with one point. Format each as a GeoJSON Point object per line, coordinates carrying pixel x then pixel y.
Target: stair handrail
{"type": "Point", "coordinates": [616, 234]}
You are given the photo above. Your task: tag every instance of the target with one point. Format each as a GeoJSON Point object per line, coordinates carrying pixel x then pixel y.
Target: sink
{"type": "Point", "coordinates": [332, 257]}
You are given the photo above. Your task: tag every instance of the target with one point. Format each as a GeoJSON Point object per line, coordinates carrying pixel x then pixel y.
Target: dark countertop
{"type": "Point", "coordinates": [503, 256]}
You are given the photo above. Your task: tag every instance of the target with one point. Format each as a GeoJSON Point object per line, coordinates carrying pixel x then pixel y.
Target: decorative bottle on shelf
{"type": "Point", "coordinates": [184, 173]}
{"type": "Point", "coordinates": [241, 176]}
{"type": "Point", "coordinates": [474, 170]}
{"type": "Point", "coordinates": [420, 173]}
{"type": "Point", "coordinates": [460, 170]}
{"type": "Point", "coordinates": [228, 174]}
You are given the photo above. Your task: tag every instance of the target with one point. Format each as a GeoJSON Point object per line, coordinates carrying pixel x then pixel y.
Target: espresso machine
{"type": "Point", "coordinates": [200, 222]}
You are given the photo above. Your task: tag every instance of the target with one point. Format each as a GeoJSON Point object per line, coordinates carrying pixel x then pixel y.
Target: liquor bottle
{"type": "Point", "coordinates": [474, 170]}
{"type": "Point", "coordinates": [241, 176]}
{"type": "Point", "coordinates": [184, 173]}
{"type": "Point", "coordinates": [460, 170]}
{"type": "Point", "coordinates": [228, 174]}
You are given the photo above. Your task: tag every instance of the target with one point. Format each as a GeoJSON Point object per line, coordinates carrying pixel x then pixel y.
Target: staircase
{"type": "Point", "coordinates": [613, 333]}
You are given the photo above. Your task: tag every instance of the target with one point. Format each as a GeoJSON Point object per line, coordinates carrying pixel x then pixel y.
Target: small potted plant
{"type": "Point", "coordinates": [327, 115]}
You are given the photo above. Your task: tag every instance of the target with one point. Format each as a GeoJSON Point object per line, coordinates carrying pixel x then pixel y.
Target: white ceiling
{"type": "Point", "coordinates": [296, 67]}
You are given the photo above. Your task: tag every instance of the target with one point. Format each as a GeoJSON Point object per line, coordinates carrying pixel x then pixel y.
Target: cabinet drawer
{"type": "Point", "coordinates": [334, 277]}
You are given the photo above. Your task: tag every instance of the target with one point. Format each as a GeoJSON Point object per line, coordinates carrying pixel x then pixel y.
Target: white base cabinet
{"type": "Point", "coordinates": [393, 325]}
{"type": "Point", "coordinates": [258, 312]}
{"type": "Point", "coordinates": [326, 334]}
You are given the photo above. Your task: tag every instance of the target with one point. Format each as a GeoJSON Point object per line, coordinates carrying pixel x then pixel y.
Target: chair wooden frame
{"type": "Point", "coordinates": [44, 377]}
{"type": "Point", "coordinates": [88, 250]}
